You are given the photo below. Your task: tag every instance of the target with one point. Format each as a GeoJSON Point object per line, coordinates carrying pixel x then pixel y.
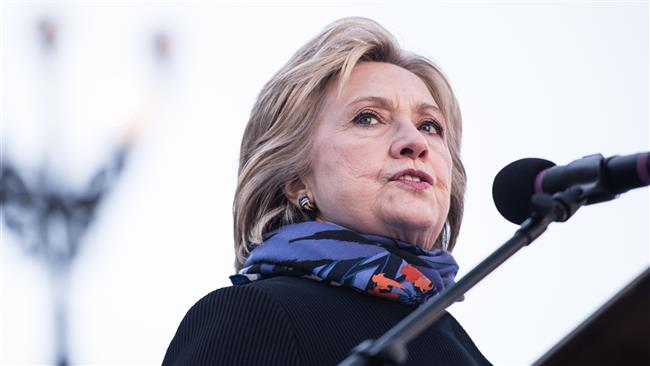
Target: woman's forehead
{"type": "Point", "coordinates": [382, 83]}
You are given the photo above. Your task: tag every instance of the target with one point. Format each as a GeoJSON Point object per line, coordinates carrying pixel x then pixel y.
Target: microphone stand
{"type": "Point", "coordinates": [390, 349]}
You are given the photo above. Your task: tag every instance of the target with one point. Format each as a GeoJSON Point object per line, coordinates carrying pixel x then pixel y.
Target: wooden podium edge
{"type": "Point", "coordinates": [550, 357]}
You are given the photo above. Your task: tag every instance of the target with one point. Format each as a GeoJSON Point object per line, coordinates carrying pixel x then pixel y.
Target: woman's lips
{"type": "Point", "coordinates": [420, 186]}
{"type": "Point", "coordinates": [413, 178]}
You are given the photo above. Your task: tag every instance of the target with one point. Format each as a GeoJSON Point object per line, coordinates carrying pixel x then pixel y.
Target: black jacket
{"type": "Point", "coordinates": [295, 321]}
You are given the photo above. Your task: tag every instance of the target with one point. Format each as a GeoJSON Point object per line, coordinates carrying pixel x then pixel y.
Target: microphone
{"type": "Point", "coordinates": [601, 179]}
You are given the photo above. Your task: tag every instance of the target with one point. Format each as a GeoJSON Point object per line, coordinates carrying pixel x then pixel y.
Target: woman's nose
{"type": "Point", "coordinates": [409, 142]}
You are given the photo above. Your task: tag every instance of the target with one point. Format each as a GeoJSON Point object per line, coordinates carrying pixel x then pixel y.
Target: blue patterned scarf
{"type": "Point", "coordinates": [371, 264]}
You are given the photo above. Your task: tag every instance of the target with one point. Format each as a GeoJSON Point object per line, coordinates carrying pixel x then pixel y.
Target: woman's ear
{"type": "Point", "coordinates": [295, 189]}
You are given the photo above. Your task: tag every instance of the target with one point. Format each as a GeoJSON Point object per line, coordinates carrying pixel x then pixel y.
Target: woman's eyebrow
{"type": "Point", "coordinates": [388, 104]}
{"type": "Point", "coordinates": [381, 101]}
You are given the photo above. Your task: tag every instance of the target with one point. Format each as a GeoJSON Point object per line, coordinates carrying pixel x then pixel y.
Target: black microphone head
{"type": "Point", "coordinates": [514, 187]}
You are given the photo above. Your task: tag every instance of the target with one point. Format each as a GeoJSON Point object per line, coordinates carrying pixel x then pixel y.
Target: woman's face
{"type": "Point", "coordinates": [380, 160]}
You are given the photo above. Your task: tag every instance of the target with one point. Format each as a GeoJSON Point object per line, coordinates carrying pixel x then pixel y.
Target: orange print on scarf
{"type": "Point", "coordinates": [414, 276]}
{"type": "Point", "coordinates": [383, 286]}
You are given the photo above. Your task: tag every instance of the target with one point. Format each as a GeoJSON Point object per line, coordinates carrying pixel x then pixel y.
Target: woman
{"type": "Point", "coordinates": [349, 201]}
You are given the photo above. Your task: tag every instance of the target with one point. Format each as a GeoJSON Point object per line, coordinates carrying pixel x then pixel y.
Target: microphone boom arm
{"type": "Point", "coordinates": [390, 349]}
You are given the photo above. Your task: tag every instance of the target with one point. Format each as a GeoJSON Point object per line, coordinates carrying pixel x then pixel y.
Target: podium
{"type": "Point", "coordinates": [616, 334]}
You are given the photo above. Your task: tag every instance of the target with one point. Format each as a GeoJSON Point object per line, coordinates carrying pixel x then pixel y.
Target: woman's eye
{"type": "Point", "coordinates": [366, 118]}
{"type": "Point", "coordinates": [432, 127]}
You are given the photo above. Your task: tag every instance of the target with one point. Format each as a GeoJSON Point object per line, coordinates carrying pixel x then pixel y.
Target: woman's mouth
{"type": "Point", "coordinates": [413, 178]}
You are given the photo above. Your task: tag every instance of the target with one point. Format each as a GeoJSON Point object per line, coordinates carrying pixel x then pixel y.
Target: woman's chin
{"type": "Point", "coordinates": [413, 226]}
{"type": "Point", "coordinates": [413, 212]}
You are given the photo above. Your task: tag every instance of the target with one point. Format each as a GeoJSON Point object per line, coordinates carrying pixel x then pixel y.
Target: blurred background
{"type": "Point", "coordinates": [120, 135]}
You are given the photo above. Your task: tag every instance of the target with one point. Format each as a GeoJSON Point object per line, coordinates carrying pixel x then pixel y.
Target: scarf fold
{"type": "Point", "coordinates": [371, 264]}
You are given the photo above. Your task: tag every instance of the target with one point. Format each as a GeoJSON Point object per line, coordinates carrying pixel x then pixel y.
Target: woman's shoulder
{"type": "Point", "coordinates": [234, 299]}
{"type": "Point", "coordinates": [276, 321]}
{"type": "Point", "coordinates": [268, 297]}
{"type": "Point", "coordinates": [225, 327]}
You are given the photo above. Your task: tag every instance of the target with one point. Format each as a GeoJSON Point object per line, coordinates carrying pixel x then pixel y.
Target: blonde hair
{"type": "Point", "coordinates": [277, 138]}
